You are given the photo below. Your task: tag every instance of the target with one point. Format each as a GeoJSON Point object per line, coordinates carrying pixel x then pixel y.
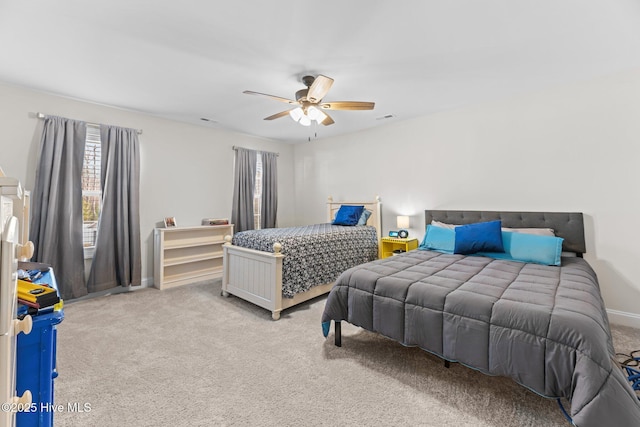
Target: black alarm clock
{"type": "Point", "coordinates": [403, 234]}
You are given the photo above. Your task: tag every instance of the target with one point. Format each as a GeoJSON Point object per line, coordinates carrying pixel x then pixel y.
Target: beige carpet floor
{"type": "Point", "coordinates": [190, 357]}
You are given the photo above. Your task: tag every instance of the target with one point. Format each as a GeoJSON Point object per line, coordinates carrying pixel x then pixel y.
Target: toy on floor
{"type": "Point", "coordinates": [630, 364]}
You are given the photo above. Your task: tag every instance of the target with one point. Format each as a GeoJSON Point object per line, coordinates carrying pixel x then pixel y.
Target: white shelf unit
{"type": "Point", "coordinates": [12, 211]}
{"type": "Point", "coordinates": [188, 254]}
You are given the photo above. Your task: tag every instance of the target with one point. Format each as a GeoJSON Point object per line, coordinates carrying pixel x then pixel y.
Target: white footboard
{"type": "Point", "coordinates": [256, 276]}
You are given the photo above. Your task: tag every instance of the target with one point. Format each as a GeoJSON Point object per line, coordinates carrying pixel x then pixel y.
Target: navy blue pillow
{"type": "Point", "coordinates": [479, 237]}
{"type": "Point", "coordinates": [348, 215]}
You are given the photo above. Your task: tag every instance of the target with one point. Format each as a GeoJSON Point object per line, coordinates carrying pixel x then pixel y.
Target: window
{"type": "Point", "coordinates": [91, 190]}
{"type": "Point", "coordinates": [257, 194]}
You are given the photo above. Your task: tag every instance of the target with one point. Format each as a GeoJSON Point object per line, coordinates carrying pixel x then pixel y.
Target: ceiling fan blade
{"type": "Point", "coordinates": [319, 88]}
{"type": "Point", "coordinates": [327, 121]}
{"type": "Point", "coordinates": [347, 105]}
{"type": "Point", "coordinates": [277, 115]}
{"type": "Point", "coordinates": [277, 98]}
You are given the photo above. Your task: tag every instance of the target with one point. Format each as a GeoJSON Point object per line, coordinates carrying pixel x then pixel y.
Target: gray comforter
{"type": "Point", "coordinates": [545, 327]}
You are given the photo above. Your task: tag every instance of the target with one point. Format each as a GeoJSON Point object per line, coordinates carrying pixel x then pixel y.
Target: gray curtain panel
{"type": "Point", "coordinates": [117, 257]}
{"type": "Point", "coordinates": [269, 202]}
{"type": "Point", "coordinates": [56, 204]}
{"type": "Point", "coordinates": [243, 189]}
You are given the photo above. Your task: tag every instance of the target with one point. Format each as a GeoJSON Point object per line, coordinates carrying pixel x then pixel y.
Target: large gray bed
{"type": "Point", "coordinates": [544, 326]}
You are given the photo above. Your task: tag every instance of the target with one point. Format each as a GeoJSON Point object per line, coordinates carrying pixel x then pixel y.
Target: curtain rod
{"type": "Point", "coordinates": [42, 116]}
{"type": "Point", "coordinates": [262, 151]}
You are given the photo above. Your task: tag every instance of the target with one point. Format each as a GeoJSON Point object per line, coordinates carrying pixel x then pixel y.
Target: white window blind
{"type": "Point", "coordinates": [91, 191]}
{"type": "Point", "coordinates": [257, 195]}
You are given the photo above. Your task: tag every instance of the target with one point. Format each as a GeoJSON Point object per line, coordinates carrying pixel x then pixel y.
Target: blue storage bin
{"type": "Point", "coordinates": [36, 364]}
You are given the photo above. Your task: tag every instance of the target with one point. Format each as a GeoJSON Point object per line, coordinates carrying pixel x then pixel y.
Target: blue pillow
{"type": "Point", "coordinates": [348, 215]}
{"type": "Point", "coordinates": [545, 250]}
{"type": "Point", "coordinates": [479, 237]}
{"type": "Point", "coordinates": [439, 239]}
{"type": "Point", "coordinates": [364, 217]}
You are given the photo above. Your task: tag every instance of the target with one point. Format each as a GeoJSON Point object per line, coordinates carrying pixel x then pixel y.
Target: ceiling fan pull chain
{"type": "Point", "coordinates": [315, 129]}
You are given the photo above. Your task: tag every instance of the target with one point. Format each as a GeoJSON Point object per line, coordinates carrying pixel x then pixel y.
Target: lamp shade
{"type": "Point", "coordinates": [314, 114]}
{"type": "Point", "coordinates": [296, 114]}
{"type": "Point", "coordinates": [305, 121]}
{"type": "Point", "coordinates": [403, 221]}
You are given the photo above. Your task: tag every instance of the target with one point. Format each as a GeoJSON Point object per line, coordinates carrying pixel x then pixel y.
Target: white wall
{"type": "Point", "coordinates": [573, 148]}
{"type": "Point", "coordinates": [186, 170]}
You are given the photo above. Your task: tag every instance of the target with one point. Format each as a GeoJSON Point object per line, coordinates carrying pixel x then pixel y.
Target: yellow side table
{"type": "Point", "coordinates": [390, 244]}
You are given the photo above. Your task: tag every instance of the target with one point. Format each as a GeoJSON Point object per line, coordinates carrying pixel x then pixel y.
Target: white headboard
{"type": "Point", "coordinates": [375, 220]}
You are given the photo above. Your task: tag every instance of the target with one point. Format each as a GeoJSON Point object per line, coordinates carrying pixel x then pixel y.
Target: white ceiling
{"type": "Point", "coordinates": [190, 59]}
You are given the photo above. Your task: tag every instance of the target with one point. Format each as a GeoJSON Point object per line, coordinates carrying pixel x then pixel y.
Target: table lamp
{"type": "Point", "coordinates": [403, 223]}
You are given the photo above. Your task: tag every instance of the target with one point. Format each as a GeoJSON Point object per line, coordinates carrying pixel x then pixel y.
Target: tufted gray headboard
{"type": "Point", "coordinates": [568, 225]}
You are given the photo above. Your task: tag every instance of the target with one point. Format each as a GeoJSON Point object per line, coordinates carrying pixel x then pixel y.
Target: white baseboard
{"type": "Point", "coordinates": [146, 282]}
{"type": "Point", "coordinates": [623, 318]}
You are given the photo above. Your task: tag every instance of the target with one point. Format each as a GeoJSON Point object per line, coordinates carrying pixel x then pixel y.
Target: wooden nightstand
{"type": "Point", "coordinates": [390, 244]}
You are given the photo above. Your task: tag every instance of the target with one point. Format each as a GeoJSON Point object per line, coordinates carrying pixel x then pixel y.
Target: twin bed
{"type": "Point", "coordinates": [544, 326]}
{"type": "Point", "coordinates": [278, 268]}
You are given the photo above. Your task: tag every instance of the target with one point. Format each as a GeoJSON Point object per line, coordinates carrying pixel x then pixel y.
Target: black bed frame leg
{"type": "Point", "coordinates": [338, 334]}
{"type": "Point", "coordinates": [447, 364]}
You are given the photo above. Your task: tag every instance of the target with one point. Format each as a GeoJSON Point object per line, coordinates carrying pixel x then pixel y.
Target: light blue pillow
{"type": "Point", "coordinates": [479, 237]}
{"type": "Point", "coordinates": [348, 215]}
{"type": "Point", "coordinates": [545, 250]}
{"type": "Point", "coordinates": [364, 217]}
{"type": "Point", "coordinates": [439, 239]}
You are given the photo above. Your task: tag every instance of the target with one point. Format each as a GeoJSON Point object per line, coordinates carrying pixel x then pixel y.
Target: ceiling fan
{"type": "Point", "coordinates": [308, 103]}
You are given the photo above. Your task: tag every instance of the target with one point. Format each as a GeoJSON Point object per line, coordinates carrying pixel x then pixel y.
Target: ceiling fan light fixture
{"type": "Point", "coordinates": [325, 120]}
{"type": "Point", "coordinates": [315, 114]}
{"type": "Point", "coordinates": [305, 121]}
{"type": "Point", "coordinates": [296, 114]}
{"type": "Point", "coordinates": [321, 117]}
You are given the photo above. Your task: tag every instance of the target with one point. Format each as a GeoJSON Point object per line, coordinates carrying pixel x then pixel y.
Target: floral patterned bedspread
{"type": "Point", "coordinates": [313, 254]}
